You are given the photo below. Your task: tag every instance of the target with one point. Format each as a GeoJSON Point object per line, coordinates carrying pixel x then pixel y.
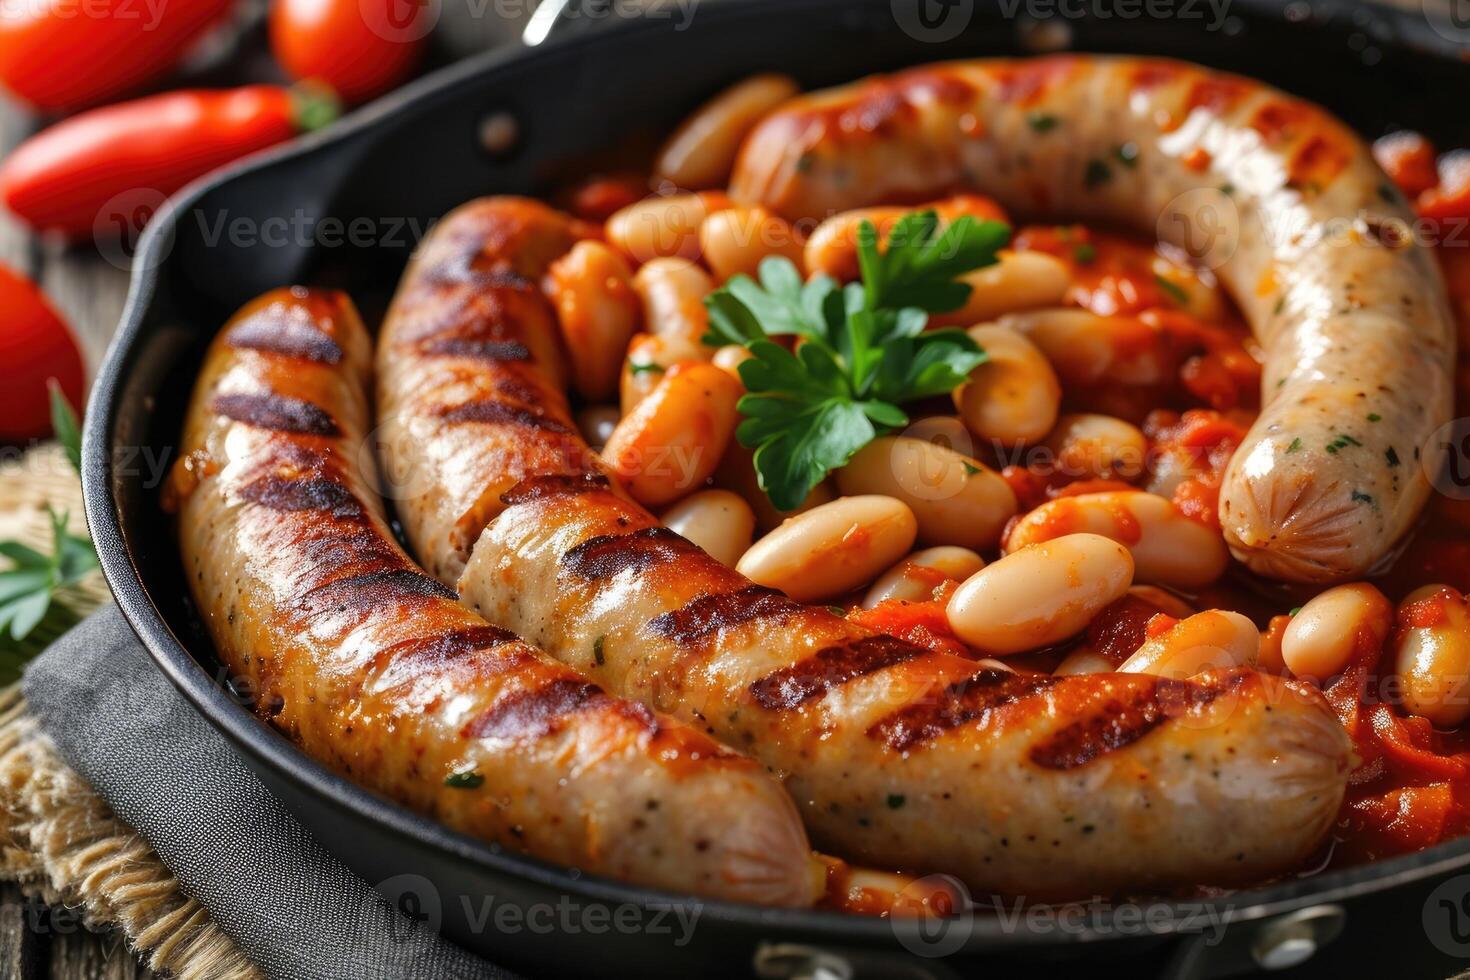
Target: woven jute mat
{"type": "Point", "coordinates": [59, 840]}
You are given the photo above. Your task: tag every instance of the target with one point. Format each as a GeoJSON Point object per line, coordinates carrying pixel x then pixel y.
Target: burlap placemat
{"type": "Point", "coordinates": [59, 840]}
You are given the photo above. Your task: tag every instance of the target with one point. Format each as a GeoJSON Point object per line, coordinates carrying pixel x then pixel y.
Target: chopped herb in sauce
{"type": "Point", "coordinates": [1096, 174]}
{"type": "Point", "coordinates": [1042, 122]}
{"type": "Point", "coordinates": [837, 611]}
{"type": "Point", "coordinates": [1176, 292]}
{"type": "Point", "coordinates": [644, 367]}
{"type": "Point", "coordinates": [1374, 417]}
{"type": "Point", "coordinates": [469, 779]}
{"type": "Point", "coordinates": [598, 656]}
{"type": "Point", "coordinates": [804, 163]}
{"type": "Point", "coordinates": [1227, 189]}
{"type": "Point", "coordinates": [1295, 445]}
{"type": "Point", "coordinates": [1392, 456]}
{"type": "Point", "coordinates": [1084, 253]}
{"type": "Point", "coordinates": [970, 468]}
{"type": "Point", "coordinates": [896, 801]}
{"type": "Point", "coordinates": [1359, 497]}
{"type": "Point", "coordinates": [1342, 442]}
{"type": "Point", "coordinates": [1280, 305]}
{"type": "Point", "coordinates": [1294, 610]}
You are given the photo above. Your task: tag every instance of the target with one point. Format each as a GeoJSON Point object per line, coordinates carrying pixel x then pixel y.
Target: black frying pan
{"type": "Point", "coordinates": [399, 164]}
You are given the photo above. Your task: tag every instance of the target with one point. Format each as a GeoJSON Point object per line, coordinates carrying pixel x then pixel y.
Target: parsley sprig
{"type": "Point", "coordinates": [862, 350]}
{"type": "Point", "coordinates": [28, 585]}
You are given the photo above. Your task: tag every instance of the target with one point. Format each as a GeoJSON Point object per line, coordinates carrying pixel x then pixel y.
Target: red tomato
{"type": "Point", "coordinates": [67, 179]}
{"type": "Point", "coordinates": [35, 346]}
{"type": "Point", "coordinates": [361, 48]}
{"type": "Point", "coordinates": [61, 54]}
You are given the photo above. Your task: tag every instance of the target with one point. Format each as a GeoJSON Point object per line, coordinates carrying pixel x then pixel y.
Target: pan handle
{"type": "Point", "coordinates": [556, 18]}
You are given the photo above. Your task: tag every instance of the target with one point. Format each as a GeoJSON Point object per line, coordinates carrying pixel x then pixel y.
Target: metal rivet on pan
{"type": "Point", "coordinates": [499, 133]}
{"type": "Point", "coordinates": [1295, 938]}
{"type": "Point", "coordinates": [793, 961]}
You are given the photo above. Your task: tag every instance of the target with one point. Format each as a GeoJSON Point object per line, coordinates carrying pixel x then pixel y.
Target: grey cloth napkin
{"type": "Point", "coordinates": [296, 911]}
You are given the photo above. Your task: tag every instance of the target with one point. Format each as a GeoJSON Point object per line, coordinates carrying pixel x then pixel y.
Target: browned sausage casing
{"type": "Point", "coordinates": [1039, 786]}
{"type": "Point", "coordinates": [1287, 203]}
{"type": "Point", "coordinates": [375, 669]}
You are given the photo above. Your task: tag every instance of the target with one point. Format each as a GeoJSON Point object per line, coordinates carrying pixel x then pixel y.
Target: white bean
{"type": "Point", "coordinates": [1215, 638]}
{"type": "Point", "coordinates": [1085, 348]}
{"type": "Point", "coordinates": [730, 357]}
{"type": "Point", "coordinates": [1168, 548]}
{"type": "Point", "coordinates": [832, 549]}
{"type": "Point", "coordinates": [736, 240]}
{"type": "Point", "coordinates": [1017, 281]}
{"type": "Point", "coordinates": [1040, 595]}
{"type": "Point", "coordinates": [674, 439]}
{"type": "Point", "coordinates": [1014, 396]}
{"type": "Point", "coordinates": [1085, 445]}
{"type": "Point", "coordinates": [701, 152]}
{"type": "Point", "coordinates": [673, 292]}
{"type": "Point", "coordinates": [719, 521]}
{"type": "Point", "coordinates": [957, 500]}
{"type": "Point", "coordinates": [1083, 660]}
{"type": "Point", "coordinates": [1322, 638]}
{"type": "Point", "coordinates": [591, 289]}
{"type": "Point", "coordinates": [1432, 655]}
{"type": "Point", "coordinates": [661, 226]}
{"type": "Point", "coordinates": [915, 578]}
{"type": "Point", "coordinates": [649, 358]}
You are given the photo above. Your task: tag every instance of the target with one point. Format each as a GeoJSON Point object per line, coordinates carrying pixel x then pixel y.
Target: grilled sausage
{"type": "Point", "coordinates": [1308, 234]}
{"type": "Point", "coordinates": [375, 669]}
{"type": "Point", "coordinates": [1048, 787]}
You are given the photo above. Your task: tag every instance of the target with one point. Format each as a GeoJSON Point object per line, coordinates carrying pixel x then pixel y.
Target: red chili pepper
{"type": "Point", "coordinates": [360, 48]}
{"type": "Point", "coordinates": [65, 179]}
{"type": "Point", "coordinates": [35, 346]}
{"type": "Point", "coordinates": [61, 54]}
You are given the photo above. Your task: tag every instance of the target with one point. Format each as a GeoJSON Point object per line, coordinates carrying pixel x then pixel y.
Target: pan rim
{"type": "Point", "coordinates": [172, 656]}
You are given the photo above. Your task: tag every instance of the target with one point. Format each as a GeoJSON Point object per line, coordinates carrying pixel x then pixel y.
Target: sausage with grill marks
{"type": "Point", "coordinates": [1306, 231]}
{"type": "Point", "coordinates": [898, 756]}
{"type": "Point", "coordinates": [375, 669]}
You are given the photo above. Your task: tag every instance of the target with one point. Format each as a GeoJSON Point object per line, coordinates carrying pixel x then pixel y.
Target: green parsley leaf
{"type": "Point", "coordinates": [919, 269]}
{"type": "Point", "coordinates": [645, 367]}
{"type": "Point", "coordinates": [1176, 292]}
{"type": "Point", "coordinates": [1042, 122]}
{"type": "Point", "coordinates": [862, 351]}
{"type": "Point", "coordinates": [26, 588]}
{"type": "Point", "coordinates": [468, 779]}
{"type": "Point", "coordinates": [64, 424]}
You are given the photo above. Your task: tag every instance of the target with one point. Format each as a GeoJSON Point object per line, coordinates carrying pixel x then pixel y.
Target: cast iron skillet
{"type": "Point", "coordinates": [396, 166]}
